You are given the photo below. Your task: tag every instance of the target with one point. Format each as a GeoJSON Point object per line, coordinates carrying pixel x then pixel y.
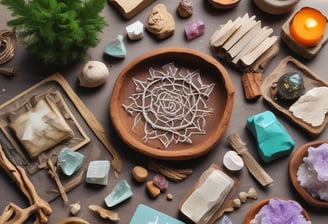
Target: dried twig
{"type": "Point", "coordinates": [54, 175]}
{"type": "Point", "coordinates": [105, 213]}
{"type": "Point", "coordinates": [252, 165]}
{"type": "Point", "coordinates": [172, 174]}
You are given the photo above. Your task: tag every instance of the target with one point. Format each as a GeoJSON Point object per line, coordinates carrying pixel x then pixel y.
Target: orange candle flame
{"type": "Point", "coordinates": [308, 26]}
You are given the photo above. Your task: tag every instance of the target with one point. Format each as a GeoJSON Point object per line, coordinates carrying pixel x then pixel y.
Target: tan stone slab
{"type": "Point", "coordinates": [129, 8]}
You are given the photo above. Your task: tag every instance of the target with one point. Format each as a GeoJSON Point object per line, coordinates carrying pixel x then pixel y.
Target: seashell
{"type": "Point", "coordinates": [94, 73]}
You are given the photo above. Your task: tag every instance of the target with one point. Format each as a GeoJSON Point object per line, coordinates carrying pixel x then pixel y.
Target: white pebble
{"type": "Point", "coordinates": [135, 30]}
{"type": "Point", "coordinates": [232, 161]}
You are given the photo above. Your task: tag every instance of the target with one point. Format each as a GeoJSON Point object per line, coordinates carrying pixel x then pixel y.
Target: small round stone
{"type": "Point", "coordinates": [139, 173]}
{"type": "Point", "coordinates": [290, 86]}
{"type": "Point", "coordinates": [169, 197]}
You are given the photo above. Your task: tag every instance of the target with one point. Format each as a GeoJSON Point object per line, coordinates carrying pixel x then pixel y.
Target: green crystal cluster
{"type": "Point", "coordinates": [57, 31]}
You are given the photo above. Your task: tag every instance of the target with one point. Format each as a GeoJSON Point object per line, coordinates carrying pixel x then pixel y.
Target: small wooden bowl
{"type": "Point", "coordinates": [224, 4]}
{"type": "Point", "coordinates": [276, 7]}
{"type": "Point", "coordinates": [294, 163]}
{"type": "Point", "coordinates": [257, 207]}
{"type": "Point", "coordinates": [311, 80]}
{"type": "Point", "coordinates": [220, 100]}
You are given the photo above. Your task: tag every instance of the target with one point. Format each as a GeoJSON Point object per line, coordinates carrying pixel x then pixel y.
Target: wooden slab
{"type": "Point", "coordinates": [129, 8]}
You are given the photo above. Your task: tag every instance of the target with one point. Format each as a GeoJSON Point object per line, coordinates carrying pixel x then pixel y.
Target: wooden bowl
{"type": "Point", "coordinates": [294, 163]}
{"type": "Point", "coordinates": [276, 7]}
{"type": "Point", "coordinates": [311, 80]}
{"type": "Point", "coordinates": [220, 100]}
{"type": "Point", "coordinates": [224, 4]}
{"type": "Point", "coordinates": [257, 207]}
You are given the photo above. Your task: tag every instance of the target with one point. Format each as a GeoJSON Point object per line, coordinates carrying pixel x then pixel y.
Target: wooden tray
{"type": "Point", "coordinates": [84, 121]}
{"type": "Point", "coordinates": [220, 100]}
{"type": "Point", "coordinates": [294, 163]}
{"type": "Point", "coordinates": [257, 207]}
{"type": "Point", "coordinates": [305, 52]}
{"type": "Point", "coordinates": [311, 80]}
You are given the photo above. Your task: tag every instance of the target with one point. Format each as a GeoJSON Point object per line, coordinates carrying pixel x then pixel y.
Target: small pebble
{"type": "Point", "coordinates": [242, 196]}
{"type": "Point", "coordinates": [75, 208]}
{"type": "Point", "coordinates": [252, 193]}
{"type": "Point", "coordinates": [139, 174]}
{"type": "Point", "coordinates": [169, 197]}
{"type": "Point", "coordinates": [232, 161]}
{"type": "Point", "coordinates": [185, 8]}
{"type": "Point", "coordinates": [236, 203]}
{"type": "Point", "coordinates": [135, 30]}
{"type": "Point", "coordinates": [152, 189]}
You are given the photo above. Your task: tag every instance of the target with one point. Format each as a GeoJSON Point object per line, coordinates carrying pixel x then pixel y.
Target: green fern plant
{"type": "Point", "coordinates": [57, 31]}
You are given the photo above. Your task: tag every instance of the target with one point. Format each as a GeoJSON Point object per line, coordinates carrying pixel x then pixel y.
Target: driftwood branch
{"type": "Point", "coordinates": [14, 214]}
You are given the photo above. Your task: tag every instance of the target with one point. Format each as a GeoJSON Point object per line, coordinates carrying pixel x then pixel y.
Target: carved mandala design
{"type": "Point", "coordinates": [172, 104]}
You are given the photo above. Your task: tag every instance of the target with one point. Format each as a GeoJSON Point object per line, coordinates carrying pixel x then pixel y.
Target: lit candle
{"type": "Point", "coordinates": [308, 26]}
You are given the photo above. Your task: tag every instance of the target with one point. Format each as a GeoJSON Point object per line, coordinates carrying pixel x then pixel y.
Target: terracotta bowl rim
{"type": "Point", "coordinates": [256, 208]}
{"type": "Point", "coordinates": [193, 152]}
{"type": "Point", "coordinates": [219, 4]}
{"type": "Point", "coordinates": [294, 163]}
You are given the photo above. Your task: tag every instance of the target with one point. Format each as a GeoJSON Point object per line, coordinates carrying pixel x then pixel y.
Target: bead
{"type": "Point", "coordinates": [290, 86]}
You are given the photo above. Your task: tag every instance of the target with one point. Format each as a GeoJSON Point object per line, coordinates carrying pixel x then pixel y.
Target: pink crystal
{"type": "Point", "coordinates": [194, 29]}
{"type": "Point", "coordinates": [280, 212]}
{"type": "Point", "coordinates": [161, 182]}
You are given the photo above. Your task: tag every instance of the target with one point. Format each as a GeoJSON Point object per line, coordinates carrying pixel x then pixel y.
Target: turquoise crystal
{"type": "Point", "coordinates": [273, 141]}
{"type": "Point", "coordinates": [116, 48]}
{"type": "Point", "coordinates": [120, 193]}
{"type": "Point", "coordinates": [69, 161]}
{"type": "Point", "coordinates": [290, 86]}
{"type": "Point", "coordinates": [98, 171]}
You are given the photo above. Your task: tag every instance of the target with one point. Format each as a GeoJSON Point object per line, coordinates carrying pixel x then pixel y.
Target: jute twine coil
{"type": "Point", "coordinates": [8, 42]}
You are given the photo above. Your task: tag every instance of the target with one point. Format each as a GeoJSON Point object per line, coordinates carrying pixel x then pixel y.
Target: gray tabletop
{"type": "Point", "coordinates": [30, 72]}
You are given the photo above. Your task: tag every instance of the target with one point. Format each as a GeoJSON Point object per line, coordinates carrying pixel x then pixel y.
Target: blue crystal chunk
{"type": "Point", "coordinates": [116, 48]}
{"type": "Point", "coordinates": [69, 161]}
{"type": "Point", "coordinates": [225, 220]}
{"type": "Point", "coordinates": [98, 171]}
{"type": "Point", "coordinates": [290, 86]}
{"type": "Point", "coordinates": [273, 141]}
{"type": "Point", "coordinates": [120, 193]}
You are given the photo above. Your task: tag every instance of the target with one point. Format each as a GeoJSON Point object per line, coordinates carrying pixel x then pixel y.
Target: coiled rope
{"type": "Point", "coordinates": [8, 42]}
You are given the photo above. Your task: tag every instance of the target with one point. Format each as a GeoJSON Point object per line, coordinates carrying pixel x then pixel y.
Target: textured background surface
{"type": "Point", "coordinates": [30, 72]}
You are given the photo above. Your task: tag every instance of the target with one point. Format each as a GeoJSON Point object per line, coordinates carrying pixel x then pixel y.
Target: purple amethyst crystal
{"type": "Point", "coordinates": [194, 29]}
{"type": "Point", "coordinates": [318, 157]}
{"type": "Point", "coordinates": [161, 182]}
{"type": "Point", "coordinates": [280, 212]}
{"type": "Point", "coordinates": [312, 173]}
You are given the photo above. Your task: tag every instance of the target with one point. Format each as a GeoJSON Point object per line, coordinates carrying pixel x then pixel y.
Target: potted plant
{"type": "Point", "coordinates": [57, 31]}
